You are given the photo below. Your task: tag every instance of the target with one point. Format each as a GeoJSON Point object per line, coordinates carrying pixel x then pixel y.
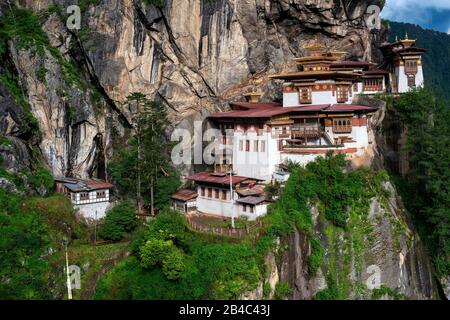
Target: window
{"type": "Point", "coordinates": [224, 195]}
{"type": "Point", "coordinates": [342, 125]}
{"type": "Point", "coordinates": [305, 95]}
{"type": "Point", "coordinates": [202, 191]}
{"type": "Point", "coordinates": [375, 84]}
{"type": "Point", "coordinates": [216, 194]}
{"type": "Point", "coordinates": [247, 145]}
{"type": "Point", "coordinates": [410, 66]}
{"type": "Point", "coordinates": [263, 146]}
{"type": "Point", "coordinates": [241, 145]}
{"type": "Point", "coordinates": [84, 196]}
{"type": "Point", "coordinates": [101, 194]}
{"type": "Point", "coordinates": [284, 131]}
{"type": "Point", "coordinates": [255, 147]}
{"type": "Point", "coordinates": [244, 207]}
{"type": "Point", "coordinates": [209, 193]}
{"type": "Point", "coordinates": [411, 81]}
{"type": "Point", "coordinates": [342, 94]}
{"type": "Point", "coordinates": [251, 209]}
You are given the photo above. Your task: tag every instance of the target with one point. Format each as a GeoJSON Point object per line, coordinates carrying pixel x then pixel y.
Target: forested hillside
{"type": "Point", "coordinates": [437, 59]}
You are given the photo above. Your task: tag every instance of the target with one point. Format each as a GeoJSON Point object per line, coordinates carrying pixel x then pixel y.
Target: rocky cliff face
{"type": "Point", "coordinates": [389, 255]}
{"type": "Point", "coordinates": [192, 55]}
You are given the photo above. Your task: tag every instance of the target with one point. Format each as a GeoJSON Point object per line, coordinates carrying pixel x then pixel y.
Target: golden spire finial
{"type": "Point", "coordinates": [406, 36]}
{"type": "Point", "coordinates": [396, 38]}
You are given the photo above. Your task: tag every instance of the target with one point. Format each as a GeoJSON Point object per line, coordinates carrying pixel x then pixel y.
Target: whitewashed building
{"type": "Point", "coordinates": [403, 61]}
{"type": "Point", "coordinates": [228, 196]}
{"type": "Point", "coordinates": [184, 200]}
{"type": "Point", "coordinates": [317, 116]}
{"type": "Point", "coordinates": [90, 196]}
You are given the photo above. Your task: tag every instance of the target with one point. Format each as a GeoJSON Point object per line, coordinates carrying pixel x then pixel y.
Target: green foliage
{"type": "Point", "coordinates": [29, 228]}
{"type": "Point", "coordinates": [327, 294]}
{"type": "Point", "coordinates": [426, 188]}
{"type": "Point", "coordinates": [119, 221]}
{"type": "Point", "coordinates": [173, 264]}
{"type": "Point", "coordinates": [382, 291]}
{"type": "Point", "coordinates": [202, 269]}
{"type": "Point", "coordinates": [282, 290]}
{"type": "Point", "coordinates": [4, 141]}
{"type": "Point", "coordinates": [316, 258]}
{"type": "Point", "coordinates": [41, 177]}
{"type": "Point", "coordinates": [154, 251]}
{"type": "Point", "coordinates": [267, 289]}
{"type": "Point", "coordinates": [146, 158]}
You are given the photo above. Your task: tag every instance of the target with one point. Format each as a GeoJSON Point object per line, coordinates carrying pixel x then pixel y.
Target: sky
{"type": "Point", "coordinates": [430, 14]}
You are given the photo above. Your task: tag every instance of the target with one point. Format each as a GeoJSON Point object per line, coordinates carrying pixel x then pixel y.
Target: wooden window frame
{"type": "Point", "coordinates": [216, 194]}
{"type": "Point", "coordinates": [255, 146]}
{"type": "Point", "coordinates": [372, 84]}
{"type": "Point", "coordinates": [252, 209]}
{"type": "Point", "coordinates": [305, 95]}
{"type": "Point", "coordinates": [209, 192]}
{"type": "Point", "coordinates": [202, 191]}
{"type": "Point", "coordinates": [342, 94]}
{"type": "Point", "coordinates": [342, 125]}
{"type": "Point", "coordinates": [247, 145]}
{"type": "Point", "coordinates": [411, 67]}
{"type": "Point", "coordinates": [224, 195]}
{"type": "Point", "coordinates": [241, 145]}
{"type": "Point", "coordinates": [244, 208]}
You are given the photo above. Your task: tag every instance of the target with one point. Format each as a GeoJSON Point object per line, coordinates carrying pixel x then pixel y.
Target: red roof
{"type": "Point", "coordinates": [216, 179]}
{"type": "Point", "coordinates": [98, 184]}
{"type": "Point", "coordinates": [252, 105]}
{"type": "Point", "coordinates": [267, 112]}
{"type": "Point", "coordinates": [184, 195]}
{"type": "Point", "coordinates": [348, 107]}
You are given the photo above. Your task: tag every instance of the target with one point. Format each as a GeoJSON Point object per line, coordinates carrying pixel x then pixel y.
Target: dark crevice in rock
{"type": "Point", "coordinates": [166, 101]}
{"type": "Point", "coordinates": [86, 61]}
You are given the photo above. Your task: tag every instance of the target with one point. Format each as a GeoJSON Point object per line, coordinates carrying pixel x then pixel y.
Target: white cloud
{"type": "Point", "coordinates": [415, 11]}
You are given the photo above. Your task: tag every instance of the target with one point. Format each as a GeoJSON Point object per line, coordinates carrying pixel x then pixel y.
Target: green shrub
{"type": "Point", "coordinates": [316, 258]}
{"type": "Point", "coordinates": [119, 221]}
{"type": "Point", "coordinates": [4, 141]}
{"type": "Point", "coordinates": [267, 289]}
{"type": "Point", "coordinates": [382, 291]}
{"type": "Point", "coordinates": [173, 264]}
{"type": "Point", "coordinates": [327, 294]}
{"type": "Point", "coordinates": [282, 290]}
{"type": "Point", "coordinates": [154, 251]}
{"type": "Point", "coordinates": [41, 177]}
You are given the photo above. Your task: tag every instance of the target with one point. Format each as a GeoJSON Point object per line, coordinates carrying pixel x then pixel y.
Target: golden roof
{"type": "Point", "coordinates": [407, 39]}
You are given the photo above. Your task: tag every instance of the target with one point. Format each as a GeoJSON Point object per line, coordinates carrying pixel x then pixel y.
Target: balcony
{"type": "Point", "coordinates": [306, 132]}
